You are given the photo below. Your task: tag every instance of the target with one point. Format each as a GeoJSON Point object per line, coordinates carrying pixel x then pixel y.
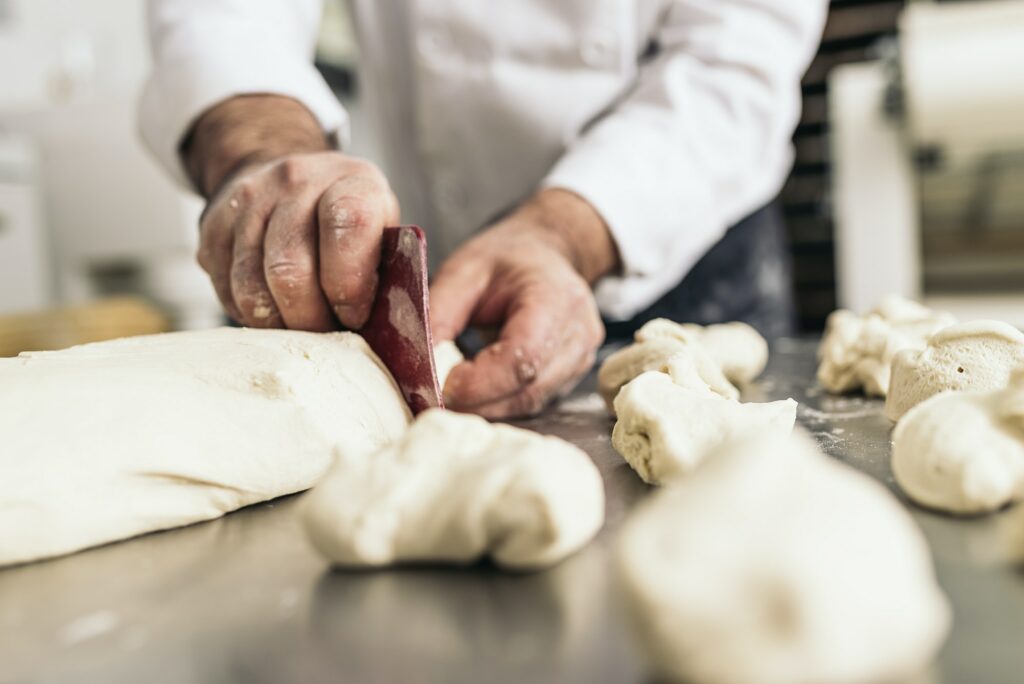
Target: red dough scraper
{"type": "Point", "coordinates": [398, 329]}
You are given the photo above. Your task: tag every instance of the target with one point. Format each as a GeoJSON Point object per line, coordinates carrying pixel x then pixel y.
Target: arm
{"type": "Point", "coordinates": [291, 233]}
{"type": "Point", "coordinates": [701, 141]}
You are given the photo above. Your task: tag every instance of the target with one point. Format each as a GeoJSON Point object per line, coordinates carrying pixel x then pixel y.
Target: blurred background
{"type": "Point", "coordinates": [909, 173]}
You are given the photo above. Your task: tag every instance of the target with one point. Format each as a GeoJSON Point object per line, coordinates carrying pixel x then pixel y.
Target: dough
{"type": "Point", "coordinates": [656, 355]}
{"type": "Point", "coordinates": [722, 355]}
{"type": "Point", "coordinates": [736, 347]}
{"type": "Point", "coordinates": [777, 565]}
{"type": "Point", "coordinates": [857, 351]}
{"type": "Point", "coordinates": [110, 440]}
{"type": "Point", "coordinates": [665, 431]}
{"type": "Point", "coordinates": [456, 488]}
{"type": "Point", "coordinates": [963, 452]}
{"type": "Point", "coordinates": [979, 355]}
{"type": "Point", "coordinates": [446, 357]}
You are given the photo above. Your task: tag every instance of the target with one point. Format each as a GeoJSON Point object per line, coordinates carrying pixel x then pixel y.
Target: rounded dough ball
{"type": "Point", "coordinates": [979, 355]}
{"type": "Point", "coordinates": [665, 431]}
{"type": "Point", "coordinates": [456, 488]}
{"type": "Point", "coordinates": [963, 452]}
{"type": "Point", "coordinates": [775, 564]}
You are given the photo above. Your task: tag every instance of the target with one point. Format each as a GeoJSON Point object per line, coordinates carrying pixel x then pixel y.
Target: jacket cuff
{"type": "Point", "coordinates": [181, 89]}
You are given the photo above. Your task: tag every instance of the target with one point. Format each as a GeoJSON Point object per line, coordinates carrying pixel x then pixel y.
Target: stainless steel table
{"type": "Point", "coordinates": [245, 599]}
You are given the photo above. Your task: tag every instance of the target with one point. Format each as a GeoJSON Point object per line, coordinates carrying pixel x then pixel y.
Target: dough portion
{"type": "Point", "coordinates": [665, 431]}
{"type": "Point", "coordinates": [737, 348]}
{"type": "Point", "coordinates": [453, 489]}
{"type": "Point", "coordinates": [978, 356]}
{"type": "Point", "coordinates": [446, 357]}
{"type": "Point", "coordinates": [658, 354]}
{"type": "Point", "coordinates": [110, 440]}
{"type": "Point", "coordinates": [857, 352]}
{"type": "Point", "coordinates": [722, 356]}
{"type": "Point", "coordinates": [963, 452]}
{"type": "Point", "coordinates": [775, 564]}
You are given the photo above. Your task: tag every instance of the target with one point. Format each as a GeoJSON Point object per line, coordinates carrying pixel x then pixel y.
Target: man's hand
{"type": "Point", "coordinates": [530, 275]}
{"type": "Point", "coordinates": [291, 234]}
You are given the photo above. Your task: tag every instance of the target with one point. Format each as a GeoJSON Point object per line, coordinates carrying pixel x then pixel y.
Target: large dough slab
{"type": "Point", "coordinates": [109, 440]}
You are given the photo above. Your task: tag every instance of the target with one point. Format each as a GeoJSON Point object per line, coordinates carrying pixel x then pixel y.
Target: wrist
{"type": "Point", "coordinates": [575, 228]}
{"type": "Point", "coordinates": [246, 131]}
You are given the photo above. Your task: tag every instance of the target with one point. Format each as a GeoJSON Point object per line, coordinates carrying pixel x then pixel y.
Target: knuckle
{"type": "Point", "coordinates": [245, 191]}
{"type": "Point", "coordinates": [289, 269]}
{"type": "Point", "coordinates": [291, 172]}
{"type": "Point", "coordinates": [350, 214]}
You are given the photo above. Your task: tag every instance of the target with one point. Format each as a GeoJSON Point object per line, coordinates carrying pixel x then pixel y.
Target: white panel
{"type": "Point", "coordinates": [875, 204]}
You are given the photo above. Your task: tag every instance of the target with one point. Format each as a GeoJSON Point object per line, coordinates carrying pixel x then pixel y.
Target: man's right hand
{"type": "Point", "coordinates": [296, 242]}
{"type": "Point", "coordinates": [291, 234]}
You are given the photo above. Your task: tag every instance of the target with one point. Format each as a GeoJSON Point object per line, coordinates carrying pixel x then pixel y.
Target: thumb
{"type": "Point", "coordinates": [454, 295]}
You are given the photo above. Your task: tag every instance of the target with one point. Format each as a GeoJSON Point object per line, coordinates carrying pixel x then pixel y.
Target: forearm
{"type": "Point", "coordinates": [247, 130]}
{"type": "Point", "coordinates": [575, 229]}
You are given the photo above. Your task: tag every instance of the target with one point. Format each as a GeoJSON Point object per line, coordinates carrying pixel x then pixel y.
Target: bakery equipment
{"type": "Point", "coordinates": [928, 162]}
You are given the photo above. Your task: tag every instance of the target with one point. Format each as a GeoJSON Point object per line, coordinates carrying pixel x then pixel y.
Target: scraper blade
{"type": "Point", "coordinates": [398, 329]}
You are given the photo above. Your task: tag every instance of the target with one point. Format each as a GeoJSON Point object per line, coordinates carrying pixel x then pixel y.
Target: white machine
{"type": "Point", "coordinates": [928, 163]}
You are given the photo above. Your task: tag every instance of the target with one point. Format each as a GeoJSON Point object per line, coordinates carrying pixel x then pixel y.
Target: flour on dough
{"type": "Point", "coordinates": [110, 440]}
{"type": "Point", "coordinates": [856, 352]}
{"type": "Point", "coordinates": [979, 356]}
{"type": "Point", "coordinates": [453, 489]}
{"type": "Point", "coordinates": [775, 564]}
{"type": "Point", "coordinates": [963, 452]}
{"type": "Point", "coordinates": [665, 431]}
{"type": "Point", "coordinates": [722, 356]}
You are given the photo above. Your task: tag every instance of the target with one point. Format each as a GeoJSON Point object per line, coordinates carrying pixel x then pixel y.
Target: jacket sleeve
{"type": "Point", "coordinates": [206, 51]}
{"type": "Point", "coordinates": [702, 140]}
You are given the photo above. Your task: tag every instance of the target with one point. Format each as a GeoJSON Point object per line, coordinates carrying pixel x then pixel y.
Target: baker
{"type": "Point", "coordinates": [571, 160]}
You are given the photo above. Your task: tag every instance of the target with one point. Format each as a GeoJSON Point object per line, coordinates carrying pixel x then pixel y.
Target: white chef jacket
{"type": "Point", "coordinates": [672, 118]}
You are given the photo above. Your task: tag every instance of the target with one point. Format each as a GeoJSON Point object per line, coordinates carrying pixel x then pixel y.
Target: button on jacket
{"type": "Point", "coordinates": [671, 117]}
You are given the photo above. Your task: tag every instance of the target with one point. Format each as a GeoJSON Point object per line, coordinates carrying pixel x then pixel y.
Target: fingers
{"type": "Point", "coordinates": [290, 266]}
{"type": "Point", "coordinates": [352, 214]}
{"type": "Point", "coordinates": [249, 286]}
{"type": "Point", "coordinates": [543, 349]}
{"type": "Point", "coordinates": [216, 243]}
{"type": "Point", "coordinates": [454, 294]}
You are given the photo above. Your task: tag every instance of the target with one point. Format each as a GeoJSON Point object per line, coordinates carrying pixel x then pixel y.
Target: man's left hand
{"type": "Point", "coordinates": [529, 275]}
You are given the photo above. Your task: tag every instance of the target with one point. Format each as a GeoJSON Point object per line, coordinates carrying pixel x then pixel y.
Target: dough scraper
{"type": "Point", "coordinates": [398, 329]}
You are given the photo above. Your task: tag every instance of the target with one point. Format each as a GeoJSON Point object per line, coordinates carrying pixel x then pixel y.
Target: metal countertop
{"type": "Point", "coordinates": [246, 599]}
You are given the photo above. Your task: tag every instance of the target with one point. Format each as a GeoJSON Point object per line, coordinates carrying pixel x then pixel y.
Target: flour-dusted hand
{"type": "Point", "coordinates": [291, 235]}
{"type": "Point", "coordinates": [530, 276]}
